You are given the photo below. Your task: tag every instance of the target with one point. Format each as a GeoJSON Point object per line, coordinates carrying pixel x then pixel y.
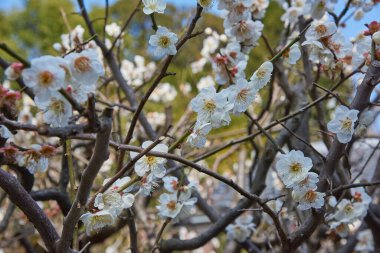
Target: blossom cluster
{"type": "Point", "coordinates": [294, 170]}
{"type": "Point", "coordinates": [346, 212]}
{"type": "Point", "coordinates": [77, 74]}
{"type": "Point", "coordinates": [178, 202]}
{"type": "Point", "coordinates": [242, 229]}
{"type": "Point", "coordinates": [108, 205]}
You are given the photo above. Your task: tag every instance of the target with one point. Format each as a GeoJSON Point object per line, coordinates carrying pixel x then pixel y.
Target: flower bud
{"type": "Point", "coordinates": [376, 38]}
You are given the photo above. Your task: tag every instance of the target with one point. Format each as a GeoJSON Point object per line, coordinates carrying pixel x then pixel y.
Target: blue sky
{"type": "Point", "coordinates": [353, 27]}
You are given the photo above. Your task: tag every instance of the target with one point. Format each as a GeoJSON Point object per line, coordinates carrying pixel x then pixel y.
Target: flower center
{"type": "Point", "coordinates": [348, 209]}
{"type": "Point", "coordinates": [243, 94]}
{"type": "Point", "coordinates": [310, 196]}
{"type": "Point", "coordinates": [321, 29]}
{"type": "Point", "coordinates": [346, 124]}
{"type": "Point", "coordinates": [209, 105]}
{"type": "Point", "coordinates": [174, 184]}
{"type": "Point", "coordinates": [171, 205]}
{"type": "Point", "coordinates": [46, 78]}
{"type": "Point", "coordinates": [57, 106]}
{"type": "Point", "coordinates": [358, 197]}
{"type": "Point", "coordinates": [151, 160]}
{"type": "Point", "coordinates": [82, 64]}
{"type": "Point", "coordinates": [295, 167]}
{"type": "Point", "coordinates": [260, 73]}
{"type": "Point", "coordinates": [164, 41]}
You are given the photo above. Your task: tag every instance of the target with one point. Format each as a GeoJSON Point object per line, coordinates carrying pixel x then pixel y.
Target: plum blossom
{"type": "Point", "coordinates": [85, 67]}
{"type": "Point", "coordinates": [172, 207]}
{"type": "Point", "coordinates": [293, 167]}
{"type": "Point", "coordinates": [348, 211]}
{"type": "Point", "coordinates": [309, 199]}
{"type": "Point", "coordinates": [293, 54]}
{"type": "Point", "coordinates": [4, 132]}
{"type": "Point", "coordinates": [149, 163]}
{"type": "Point", "coordinates": [36, 158]}
{"type": "Point", "coordinates": [212, 107]}
{"type": "Point", "coordinates": [242, 229]}
{"type": "Point", "coordinates": [151, 6]}
{"type": "Point", "coordinates": [365, 241]}
{"type": "Point", "coordinates": [163, 42]}
{"type": "Point", "coordinates": [241, 95]}
{"type": "Point", "coordinates": [14, 70]}
{"type": "Point", "coordinates": [340, 228]}
{"type": "Point", "coordinates": [56, 110]}
{"type": "Point", "coordinates": [173, 185]}
{"type": "Point", "coordinates": [343, 123]}
{"type": "Point", "coordinates": [113, 30]}
{"type": "Point", "coordinates": [262, 75]}
{"type": "Point", "coordinates": [197, 138]}
{"type": "Point", "coordinates": [93, 222]}
{"type": "Point", "coordinates": [320, 29]}
{"type": "Point", "coordinates": [45, 76]}
{"type": "Point", "coordinates": [309, 182]}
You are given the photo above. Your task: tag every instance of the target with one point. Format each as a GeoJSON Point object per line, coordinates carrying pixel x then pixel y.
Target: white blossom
{"type": "Point", "coordinates": [45, 76]}
{"type": "Point", "coordinates": [340, 228]}
{"type": "Point", "coordinates": [211, 107]}
{"type": "Point", "coordinates": [93, 222]}
{"type": "Point", "coordinates": [85, 67]}
{"type": "Point", "coordinates": [149, 163]}
{"type": "Point", "coordinates": [241, 95]}
{"type": "Point", "coordinates": [151, 6]}
{"type": "Point", "coordinates": [293, 167]}
{"type": "Point", "coordinates": [4, 132]}
{"type": "Point", "coordinates": [242, 229]}
{"type": "Point", "coordinates": [14, 70]}
{"type": "Point", "coordinates": [365, 241]}
{"type": "Point", "coordinates": [309, 182]}
{"type": "Point", "coordinates": [309, 199]}
{"type": "Point", "coordinates": [376, 38]}
{"type": "Point", "coordinates": [293, 54]}
{"type": "Point", "coordinates": [197, 138]}
{"type": "Point", "coordinates": [262, 75]}
{"type": "Point", "coordinates": [56, 110]}
{"type": "Point", "coordinates": [113, 30]}
{"type": "Point", "coordinates": [171, 207]}
{"type": "Point", "coordinates": [163, 42]}
{"type": "Point", "coordinates": [343, 123]}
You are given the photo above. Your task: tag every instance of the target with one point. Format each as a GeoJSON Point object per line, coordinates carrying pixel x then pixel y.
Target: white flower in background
{"type": "Point", "coordinates": [242, 229]}
{"type": "Point", "coordinates": [309, 182]}
{"type": "Point", "coordinates": [365, 241]}
{"type": "Point", "coordinates": [293, 54]}
{"type": "Point", "coordinates": [171, 207]}
{"type": "Point", "coordinates": [69, 41]}
{"type": "Point", "coordinates": [210, 45]}
{"type": "Point", "coordinates": [241, 95]}
{"type": "Point", "coordinates": [343, 123]}
{"type": "Point", "coordinates": [359, 195]}
{"type": "Point", "coordinates": [164, 42]}
{"type": "Point", "coordinates": [318, 8]}
{"type": "Point", "coordinates": [206, 3]}
{"type": "Point", "coordinates": [151, 163]}
{"type": "Point", "coordinates": [320, 29]}
{"type": "Point", "coordinates": [113, 29]}
{"type": "Point", "coordinates": [85, 66]}
{"type": "Point", "coordinates": [340, 228]}
{"type": "Point", "coordinates": [211, 107]}
{"type": "Point", "coordinates": [309, 199]}
{"type": "Point", "coordinates": [348, 212]}
{"type": "Point", "coordinates": [358, 15]}
{"type": "Point", "coordinates": [151, 6]}
{"type": "Point", "coordinates": [44, 76]}
{"type": "Point", "coordinates": [290, 17]}
{"type": "Point", "coordinates": [365, 120]}
{"type": "Point", "coordinates": [165, 92]}
{"type": "Point", "coordinates": [56, 111]}
{"type": "Point", "coordinates": [95, 221]}
{"type": "Point", "coordinates": [148, 184]}
{"type": "Point", "coordinates": [197, 138]}
{"type": "Point", "coordinates": [171, 183]}
{"type": "Point", "coordinates": [205, 82]}
{"type": "Point", "coordinates": [376, 38]}
{"type": "Point", "coordinates": [197, 66]}
{"type": "Point", "coordinates": [262, 75]}
{"type": "Point", "coordinates": [4, 132]}
{"type": "Point", "coordinates": [14, 70]}
{"type": "Point", "coordinates": [36, 158]}
{"type": "Point", "coordinates": [293, 167]}
{"type": "Point", "coordinates": [244, 30]}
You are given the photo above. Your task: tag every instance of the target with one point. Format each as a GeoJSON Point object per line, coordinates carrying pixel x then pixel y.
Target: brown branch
{"type": "Point", "coordinates": [21, 198]}
{"type": "Point", "coordinates": [99, 156]}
